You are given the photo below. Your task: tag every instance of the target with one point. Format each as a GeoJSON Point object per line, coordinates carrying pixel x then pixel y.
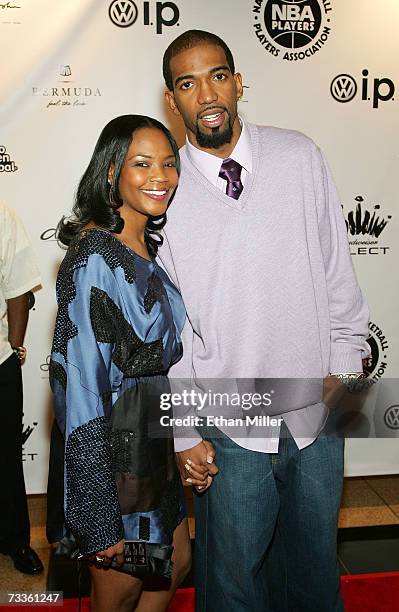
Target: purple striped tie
{"type": "Point", "coordinates": [231, 172]}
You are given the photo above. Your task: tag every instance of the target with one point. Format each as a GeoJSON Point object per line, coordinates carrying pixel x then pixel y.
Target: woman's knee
{"type": "Point", "coordinates": [182, 552]}
{"type": "Point", "coordinates": [182, 565]}
{"type": "Point", "coordinates": [113, 591]}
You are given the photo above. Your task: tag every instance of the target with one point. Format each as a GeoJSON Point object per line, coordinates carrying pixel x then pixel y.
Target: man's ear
{"type": "Point", "coordinates": [239, 87]}
{"type": "Point", "coordinates": [170, 100]}
{"type": "Point", "coordinates": [111, 171]}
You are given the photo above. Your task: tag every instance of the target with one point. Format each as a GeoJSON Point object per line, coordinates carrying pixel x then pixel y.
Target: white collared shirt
{"type": "Point", "coordinates": [18, 270]}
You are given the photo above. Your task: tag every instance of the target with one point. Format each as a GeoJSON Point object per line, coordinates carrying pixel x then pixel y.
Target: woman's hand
{"type": "Point", "coordinates": [196, 465]}
{"type": "Point", "coordinates": [105, 557]}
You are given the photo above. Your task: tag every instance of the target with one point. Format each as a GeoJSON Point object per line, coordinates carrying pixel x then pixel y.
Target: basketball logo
{"type": "Point", "coordinates": [293, 23]}
{"type": "Point", "coordinates": [371, 362]}
{"type": "Point", "coordinates": [375, 364]}
{"type": "Point", "coordinates": [298, 27]}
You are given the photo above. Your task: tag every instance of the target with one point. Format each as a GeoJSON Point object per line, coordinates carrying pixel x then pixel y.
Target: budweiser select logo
{"type": "Point", "coordinates": [366, 224]}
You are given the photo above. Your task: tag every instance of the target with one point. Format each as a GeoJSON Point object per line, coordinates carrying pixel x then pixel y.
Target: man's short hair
{"type": "Point", "coordinates": [188, 40]}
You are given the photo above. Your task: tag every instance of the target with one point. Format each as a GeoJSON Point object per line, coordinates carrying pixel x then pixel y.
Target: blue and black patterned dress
{"type": "Point", "coordinates": [116, 335]}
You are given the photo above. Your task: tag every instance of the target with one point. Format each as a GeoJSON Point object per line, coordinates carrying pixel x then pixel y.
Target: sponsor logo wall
{"type": "Point", "coordinates": [309, 65]}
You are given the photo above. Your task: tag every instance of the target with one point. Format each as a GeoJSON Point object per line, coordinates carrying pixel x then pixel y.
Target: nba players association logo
{"type": "Point", "coordinates": [292, 29]}
{"type": "Point", "coordinates": [375, 364]}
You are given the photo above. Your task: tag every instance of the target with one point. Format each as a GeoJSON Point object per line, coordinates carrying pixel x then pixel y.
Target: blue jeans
{"type": "Point", "coordinates": [266, 530]}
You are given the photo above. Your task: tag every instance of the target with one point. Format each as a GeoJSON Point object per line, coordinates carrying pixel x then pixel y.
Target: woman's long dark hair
{"type": "Point", "coordinates": [93, 201]}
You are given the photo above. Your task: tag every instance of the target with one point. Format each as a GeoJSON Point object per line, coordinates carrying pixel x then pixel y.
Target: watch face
{"type": "Point", "coordinates": [31, 300]}
{"type": "Point", "coordinates": [20, 352]}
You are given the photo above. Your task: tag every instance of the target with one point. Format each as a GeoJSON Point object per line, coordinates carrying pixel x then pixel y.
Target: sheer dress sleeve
{"type": "Point", "coordinates": [83, 375]}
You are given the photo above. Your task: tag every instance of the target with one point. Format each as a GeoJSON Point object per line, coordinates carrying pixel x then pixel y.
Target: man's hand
{"type": "Point", "coordinates": [196, 465]}
{"type": "Point", "coordinates": [333, 391]}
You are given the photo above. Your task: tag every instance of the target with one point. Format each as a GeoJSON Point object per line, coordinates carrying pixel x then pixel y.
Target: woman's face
{"type": "Point", "coordinates": [149, 176]}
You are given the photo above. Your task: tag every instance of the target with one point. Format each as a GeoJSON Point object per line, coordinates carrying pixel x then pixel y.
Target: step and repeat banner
{"type": "Point", "coordinates": [327, 68]}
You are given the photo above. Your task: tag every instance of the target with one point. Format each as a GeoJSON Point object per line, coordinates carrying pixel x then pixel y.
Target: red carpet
{"type": "Point", "coordinates": [362, 593]}
{"type": "Point", "coordinates": [183, 601]}
{"type": "Point", "coordinates": [371, 592]}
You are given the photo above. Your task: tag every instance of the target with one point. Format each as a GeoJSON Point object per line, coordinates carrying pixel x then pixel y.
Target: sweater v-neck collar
{"type": "Point", "coordinates": [222, 198]}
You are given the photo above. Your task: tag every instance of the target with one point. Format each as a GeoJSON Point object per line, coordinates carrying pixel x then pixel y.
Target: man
{"type": "Point", "coordinates": [18, 275]}
{"type": "Point", "coordinates": [257, 244]}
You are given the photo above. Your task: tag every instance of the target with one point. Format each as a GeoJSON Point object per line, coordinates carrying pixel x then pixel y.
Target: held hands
{"type": "Point", "coordinates": [115, 553]}
{"type": "Point", "coordinates": [197, 467]}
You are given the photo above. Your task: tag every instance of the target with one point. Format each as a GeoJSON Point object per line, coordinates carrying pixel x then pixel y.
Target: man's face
{"type": "Point", "coordinates": [205, 95]}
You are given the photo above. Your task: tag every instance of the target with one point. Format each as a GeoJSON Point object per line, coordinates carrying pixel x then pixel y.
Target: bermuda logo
{"type": "Point", "coordinates": [123, 13]}
{"type": "Point", "coordinates": [289, 25]}
{"type": "Point", "coordinates": [343, 88]}
{"type": "Point", "coordinates": [66, 93]}
{"type": "Point", "coordinates": [65, 70]}
{"type": "Point", "coordinates": [391, 417]}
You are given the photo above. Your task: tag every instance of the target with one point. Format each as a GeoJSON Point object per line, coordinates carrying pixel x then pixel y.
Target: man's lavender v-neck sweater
{"type": "Point", "coordinates": [267, 280]}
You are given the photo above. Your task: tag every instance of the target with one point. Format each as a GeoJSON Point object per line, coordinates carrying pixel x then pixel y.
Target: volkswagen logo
{"type": "Point", "coordinates": [123, 13]}
{"type": "Point", "coordinates": [343, 88]}
{"type": "Point", "coordinates": [391, 417]}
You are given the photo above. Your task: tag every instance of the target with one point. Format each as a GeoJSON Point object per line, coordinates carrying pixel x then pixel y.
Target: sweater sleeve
{"type": "Point", "coordinates": [181, 374]}
{"type": "Point", "coordinates": [348, 310]}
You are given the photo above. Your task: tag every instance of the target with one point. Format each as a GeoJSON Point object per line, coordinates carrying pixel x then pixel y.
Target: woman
{"type": "Point", "coordinates": [116, 335]}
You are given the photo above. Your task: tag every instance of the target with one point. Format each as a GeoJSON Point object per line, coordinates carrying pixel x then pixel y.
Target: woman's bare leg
{"type": "Point", "coordinates": [158, 601]}
{"type": "Point", "coordinates": [113, 591]}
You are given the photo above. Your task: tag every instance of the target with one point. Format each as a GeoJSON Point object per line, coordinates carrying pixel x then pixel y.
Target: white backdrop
{"type": "Point", "coordinates": [69, 67]}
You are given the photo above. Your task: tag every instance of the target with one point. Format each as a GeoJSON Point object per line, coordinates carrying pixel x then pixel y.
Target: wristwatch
{"type": "Point", "coordinates": [351, 380]}
{"type": "Point", "coordinates": [20, 352]}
